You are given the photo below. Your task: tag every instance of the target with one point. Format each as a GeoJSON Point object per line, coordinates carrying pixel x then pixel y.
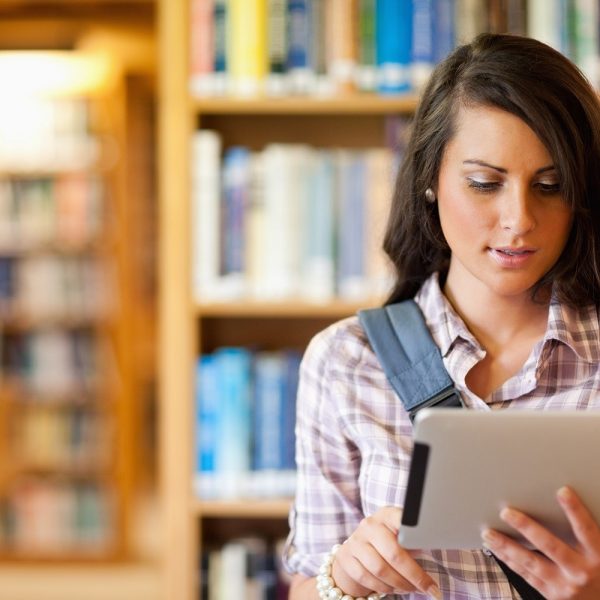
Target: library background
{"type": "Point", "coordinates": [189, 191]}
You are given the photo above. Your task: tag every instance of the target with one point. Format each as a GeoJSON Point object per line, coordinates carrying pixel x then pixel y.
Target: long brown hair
{"type": "Point", "coordinates": [543, 88]}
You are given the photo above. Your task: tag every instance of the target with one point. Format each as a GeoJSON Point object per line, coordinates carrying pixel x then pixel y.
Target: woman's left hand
{"type": "Point", "coordinates": [561, 571]}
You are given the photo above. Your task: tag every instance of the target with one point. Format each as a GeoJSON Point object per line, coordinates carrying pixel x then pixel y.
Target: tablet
{"type": "Point", "coordinates": [468, 464]}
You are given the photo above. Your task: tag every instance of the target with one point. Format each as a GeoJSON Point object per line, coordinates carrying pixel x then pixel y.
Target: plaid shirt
{"type": "Point", "coordinates": [354, 438]}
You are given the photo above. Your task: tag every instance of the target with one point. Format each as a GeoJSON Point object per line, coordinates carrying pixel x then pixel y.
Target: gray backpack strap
{"type": "Point", "coordinates": [410, 358]}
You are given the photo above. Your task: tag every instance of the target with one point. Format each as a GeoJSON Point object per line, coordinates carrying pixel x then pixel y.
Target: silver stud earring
{"type": "Point", "coordinates": [430, 195]}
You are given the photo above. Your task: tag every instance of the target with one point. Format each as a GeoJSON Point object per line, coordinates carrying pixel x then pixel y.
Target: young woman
{"type": "Point", "coordinates": [495, 231]}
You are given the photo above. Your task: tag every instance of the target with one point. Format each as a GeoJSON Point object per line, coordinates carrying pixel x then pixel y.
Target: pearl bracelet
{"type": "Point", "coordinates": [326, 586]}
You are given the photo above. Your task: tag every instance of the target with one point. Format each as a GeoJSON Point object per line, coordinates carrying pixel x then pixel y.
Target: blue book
{"type": "Point", "coordinates": [288, 440]}
{"type": "Point", "coordinates": [393, 23]}
{"type": "Point", "coordinates": [443, 29]}
{"type": "Point", "coordinates": [207, 410]}
{"type": "Point", "coordinates": [422, 41]}
{"type": "Point", "coordinates": [269, 376]}
{"type": "Point", "coordinates": [234, 422]}
{"type": "Point", "coordinates": [235, 201]}
{"type": "Point", "coordinates": [299, 37]}
{"type": "Point", "coordinates": [6, 284]}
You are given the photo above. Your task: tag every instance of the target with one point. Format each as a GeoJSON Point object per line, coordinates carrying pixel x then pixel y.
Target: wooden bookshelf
{"type": "Point", "coordinates": [187, 327]}
{"type": "Point", "coordinates": [116, 393]}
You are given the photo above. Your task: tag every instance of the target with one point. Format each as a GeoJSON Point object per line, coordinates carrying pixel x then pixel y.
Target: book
{"type": "Point", "coordinates": [422, 42]}
{"type": "Point", "coordinates": [342, 43]}
{"type": "Point", "coordinates": [319, 261]}
{"type": "Point", "coordinates": [247, 50]}
{"type": "Point", "coordinates": [394, 45]}
{"type": "Point", "coordinates": [202, 47]}
{"type": "Point", "coordinates": [234, 204]}
{"type": "Point", "coordinates": [234, 424]}
{"type": "Point", "coordinates": [206, 214]}
{"type": "Point", "coordinates": [366, 70]}
{"type": "Point", "coordinates": [300, 36]}
{"type": "Point", "coordinates": [277, 83]}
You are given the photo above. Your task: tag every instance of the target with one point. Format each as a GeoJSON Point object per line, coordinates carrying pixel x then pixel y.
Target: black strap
{"type": "Point", "coordinates": [518, 583]}
{"type": "Point", "coordinates": [412, 362]}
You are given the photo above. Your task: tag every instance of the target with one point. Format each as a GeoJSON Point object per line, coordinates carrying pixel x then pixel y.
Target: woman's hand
{"type": "Point", "coordinates": [371, 560]}
{"type": "Point", "coordinates": [561, 571]}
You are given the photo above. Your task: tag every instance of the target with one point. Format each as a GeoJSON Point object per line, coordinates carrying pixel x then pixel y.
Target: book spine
{"type": "Point", "coordinates": [222, 35]}
{"type": "Point", "coordinates": [422, 42]}
{"type": "Point", "coordinates": [202, 48]}
{"type": "Point", "coordinates": [233, 452]}
{"type": "Point", "coordinates": [342, 54]}
{"type": "Point", "coordinates": [585, 39]}
{"type": "Point", "coordinates": [318, 264]}
{"type": "Point", "coordinates": [443, 27]}
{"type": "Point", "coordinates": [351, 215]}
{"type": "Point", "coordinates": [366, 72]}
{"type": "Point", "coordinates": [236, 185]}
{"type": "Point", "coordinates": [207, 415]}
{"type": "Point", "coordinates": [394, 43]}
{"type": "Point", "coordinates": [516, 17]}
{"type": "Point", "coordinates": [277, 48]}
{"type": "Point", "coordinates": [247, 43]}
{"type": "Point", "coordinates": [206, 214]}
{"type": "Point", "coordinates": [543, 18]}
{"type": "Point", "coordinates": [299, 46]}
{"type": "Point", "coordinates": [471, 19]}
{"type": "Point", "coordinates": [268, 422]}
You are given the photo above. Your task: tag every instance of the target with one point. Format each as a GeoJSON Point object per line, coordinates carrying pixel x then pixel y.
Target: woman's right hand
{"type": "Point", "coordinates": [372, 560]}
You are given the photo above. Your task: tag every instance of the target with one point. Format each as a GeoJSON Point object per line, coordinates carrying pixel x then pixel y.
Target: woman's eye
{"type": "Point", "coordinates": [483, 186]}
{"type": "Point", "coordinates": [549, 188]}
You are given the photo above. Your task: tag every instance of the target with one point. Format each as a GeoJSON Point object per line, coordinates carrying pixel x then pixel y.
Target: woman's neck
{"type": "Point", "coordinates": [497, 320]}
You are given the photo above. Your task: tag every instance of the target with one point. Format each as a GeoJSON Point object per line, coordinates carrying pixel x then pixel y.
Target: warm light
{"type": "Point", "coordinates": [54, 73]}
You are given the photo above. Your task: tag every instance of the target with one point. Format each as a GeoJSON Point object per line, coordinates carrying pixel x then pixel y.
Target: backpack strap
{"type": "Point", "coordinates": [410, 358]}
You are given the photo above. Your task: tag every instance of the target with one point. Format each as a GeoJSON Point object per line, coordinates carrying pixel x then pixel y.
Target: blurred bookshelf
{"type": "Point", "coordinates": [77, 299]}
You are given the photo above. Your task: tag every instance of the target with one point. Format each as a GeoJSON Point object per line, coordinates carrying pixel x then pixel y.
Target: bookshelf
{"type": "Point", "coordinates": [188, 327]}
{"type": "Point", "coordinates": [77, 359]}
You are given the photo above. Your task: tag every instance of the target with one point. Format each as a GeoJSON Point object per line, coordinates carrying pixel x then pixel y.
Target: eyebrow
{"type": "Point", "coordinates": [474, 161]}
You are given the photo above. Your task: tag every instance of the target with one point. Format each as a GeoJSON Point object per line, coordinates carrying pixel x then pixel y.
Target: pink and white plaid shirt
{"type": "Point", "coordinates": [354, 438]}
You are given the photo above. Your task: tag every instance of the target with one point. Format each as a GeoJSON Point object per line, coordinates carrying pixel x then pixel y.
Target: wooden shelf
{"type": "Point", "coordinates": [242, 509]}
{"type": "Point", "coordinates": [352, 104]}
{"type": "Point", "coordinates": [284, 309]}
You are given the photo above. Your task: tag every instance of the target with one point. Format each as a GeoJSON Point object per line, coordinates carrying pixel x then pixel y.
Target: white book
{"type": "Point", "coordinates": [543, 22]}
{"type": "Point", "coordinates": [206, 213]}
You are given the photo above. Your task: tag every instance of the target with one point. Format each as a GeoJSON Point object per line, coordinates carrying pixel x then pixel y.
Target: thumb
{"type": "Point", "coordinates": [391, 517]}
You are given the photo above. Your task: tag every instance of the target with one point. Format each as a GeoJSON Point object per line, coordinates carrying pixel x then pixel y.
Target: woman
{"type": "Point", "coordinates": [495, 231]}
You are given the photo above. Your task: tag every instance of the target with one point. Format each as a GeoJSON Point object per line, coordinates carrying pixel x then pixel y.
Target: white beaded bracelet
{"type": "Point", "coordinates": [326, 586]}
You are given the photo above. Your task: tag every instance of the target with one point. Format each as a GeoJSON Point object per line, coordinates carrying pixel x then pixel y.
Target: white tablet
{"type": "Point", "coordinates": [468, 464]}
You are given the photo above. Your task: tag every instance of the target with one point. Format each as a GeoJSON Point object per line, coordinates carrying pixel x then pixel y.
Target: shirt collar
{"type": "Point", "coordinates": [575, 327]}
{"type": "Point", "coordinates": [441, 318]}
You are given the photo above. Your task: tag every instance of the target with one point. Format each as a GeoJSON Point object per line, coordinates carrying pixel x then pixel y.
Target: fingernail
{"type": "Point", "coordinates": [434, 591]}
{"type": "Point", "coordinates": [564, 493]}
{"type": "Point", "coordinates": [508, 514]}
{"type": "Point", "coordinates": [489, 537]}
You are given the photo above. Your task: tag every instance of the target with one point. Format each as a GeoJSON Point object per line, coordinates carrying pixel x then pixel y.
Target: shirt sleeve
{"type": "Point", "coordinates": [327, 507]}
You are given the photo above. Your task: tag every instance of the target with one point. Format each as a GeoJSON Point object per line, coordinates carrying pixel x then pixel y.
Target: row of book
{"type": "Point", "coordinates": [64, 211]}
{"type": "Point", "coordinates": [53, 517]}
{"type": "Point", "coordinates": [44, 287]}
{"type": "Point", "coordinates": [69, 437]}
{"type": "Point", "coordinates": [248, 47]}
{"type": "Point", "coordinates": [46, 134]}
{"type": "Point", "coordinates": [248, 568]}
{"type": "Point", "coordinates": [290, 221]}
{"type": "Point", "coordinates": [54, 363]}
{"type": "Point", "coordinates": [246, 414]}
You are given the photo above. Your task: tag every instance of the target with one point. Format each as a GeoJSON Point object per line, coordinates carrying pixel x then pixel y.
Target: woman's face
{"type": "Point", "coordinates": [500, 205]}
